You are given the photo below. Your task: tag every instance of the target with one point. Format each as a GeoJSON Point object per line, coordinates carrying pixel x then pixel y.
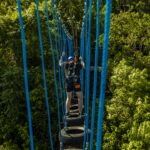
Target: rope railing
{"type": "Point", "coordinates": [26, 76]}
{"type": "Point", "coordinates": [103, 74]}
{"type": "Point", "coordinates": [95, 73]}
{"type": "Point", "coordinates": [63, 40]}
{"type": "Point", "coordinates": [44, 75]}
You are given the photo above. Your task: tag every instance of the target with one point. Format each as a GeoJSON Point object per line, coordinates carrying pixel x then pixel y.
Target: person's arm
{"type": "Point", "coordinates": [61, 62]}
{"type": "Point", "coordinates": [82, 62]}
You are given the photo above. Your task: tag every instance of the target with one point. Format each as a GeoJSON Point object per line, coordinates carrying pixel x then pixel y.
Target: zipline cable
{"type": "Point", "coordinates": [103, 73]}
{"type": "Point", "coordinates": [26, 76]}
{"type": "Point", "coordinates": [44, 75]}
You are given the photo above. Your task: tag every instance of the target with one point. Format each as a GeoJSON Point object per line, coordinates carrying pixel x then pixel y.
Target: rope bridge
{"type": "Point", "coordinates": [64, 41]}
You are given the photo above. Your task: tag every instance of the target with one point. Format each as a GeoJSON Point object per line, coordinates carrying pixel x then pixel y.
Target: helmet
{"type": "Point", "coordinates": [70, 58]}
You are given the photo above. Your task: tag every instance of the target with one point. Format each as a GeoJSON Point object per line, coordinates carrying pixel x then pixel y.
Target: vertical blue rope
{"type": "Point", "coordinates": [60, 71]}
{"type": "Point", "coordinates": [103, 74]}
{"type": "Point", "coordinates": [63, 77]}
{"type": "Point", "coordinates": [54, 64]}
{"type": "Point", "coordinates": [95, 73]}
{"type": "Point", "coordinates": [88, 48]}
{"type": "Point", "coordinates": [44, 75]}
{"type": "Point", "coordinates": [82, 55]}
{"type": "Point", "coordinates": [55, 20]}
{"type": "Point", "coordinates": [25, 76]}
{"type": "Point", "coordinates": [68, 38]}
{"type": "Point", "coordinates": [84, 41]}
{"type": "Point", "coordinates": [86, 21]}
{"type": "Point", "coordinates": [71, 46]}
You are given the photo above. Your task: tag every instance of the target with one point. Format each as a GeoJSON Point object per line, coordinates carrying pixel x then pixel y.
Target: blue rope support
{"type": "Point", "coordinates": [26, 75]}
{"type": "Point", "coordinates": [88, 48]}
{"type": "Point", "coordinates": [95, 73]}
{"type": "Point", "coordinates": [44, 75]}
{"type": "Point", "coordinates": [103, 74]}
{"type": "Point", "coordinates": [70, 47]}
{"type": "Point", "coordinates": [57, 18]}
{"type": "Point", "coordinates": [82, 47]}
{"type": "Point", "coordinates": [83, 42]}
{"type": "Point", "coordinates": [54, 64]}
{"type": "Point", "coordinates": [55, 26]}
{"type": "Point", "coordinates": [60, 72]}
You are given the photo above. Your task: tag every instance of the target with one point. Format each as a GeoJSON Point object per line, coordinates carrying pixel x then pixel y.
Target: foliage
{"type": "Point", "coordinates": [13, 115]}
{"type": "Point", "coordinates": [128, 111]}
{"type": "Point", "coordinates": [127, 117]}
{"type": "Point", "coordinates": [127, 120]}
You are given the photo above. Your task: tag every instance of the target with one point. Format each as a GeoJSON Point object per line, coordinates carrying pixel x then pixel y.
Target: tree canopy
{"type": "Point", "coordinates": [127, 105]}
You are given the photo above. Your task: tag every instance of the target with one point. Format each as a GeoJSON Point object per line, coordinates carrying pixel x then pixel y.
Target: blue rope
{"type": "Point", "coordinates": [25, 75]}
{"type": "Point", "coordinates": [44, 75]}
{"type": "Point", "coordinates": [95, 73]}
{"type": "Point", "coordinates": [55, 27]}
{"type": "Point", "coordinates": [82, 55]}
{"type": "Point", "coordinates": [86, 21]}
{"type": "Point", "coordinates": [56, 18]}
{"type": "Point", "coordinates": [63, 77]}
{"type": "Point", "coordinates": [54, 66]}
{"type": "Point", "coordinates": [103, 74]}
{"type": "Point", "coordinates": [60, 71]}
{"type": "Point", "coordinates": [70, 47]}
{"type": "Point", "coordinates": [82, 43]}
{"type": "Point", "coordinates": [82, 73]}
{"type": "Point", "coordinates": [88, 70]}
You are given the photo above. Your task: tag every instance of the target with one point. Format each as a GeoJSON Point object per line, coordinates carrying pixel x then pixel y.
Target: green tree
{"type": "Point", "coordinates": [128, 111]}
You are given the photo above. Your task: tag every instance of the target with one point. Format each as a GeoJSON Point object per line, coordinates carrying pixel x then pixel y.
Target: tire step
{"type": "Point", "coordinates": [73, 135]}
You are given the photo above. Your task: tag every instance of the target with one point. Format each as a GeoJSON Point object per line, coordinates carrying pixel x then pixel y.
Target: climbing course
{"type": "Point", "coordinates": [76, 130]}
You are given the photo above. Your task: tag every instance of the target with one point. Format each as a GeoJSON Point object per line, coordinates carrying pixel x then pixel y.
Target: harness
{"type": "Point", "coordinates": [73, 72]}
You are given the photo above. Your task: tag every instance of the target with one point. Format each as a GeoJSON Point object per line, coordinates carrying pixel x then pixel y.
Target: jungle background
{"type": "Point", "coordinates": [126, 122]}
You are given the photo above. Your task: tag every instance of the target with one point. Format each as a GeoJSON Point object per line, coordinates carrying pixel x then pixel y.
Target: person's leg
{"type": "Point", "coordinates": [68, 101]}
{"type": "Point", "coordinates": [69, 96]}
{"type": "Point", "coordinates": [80, 101]}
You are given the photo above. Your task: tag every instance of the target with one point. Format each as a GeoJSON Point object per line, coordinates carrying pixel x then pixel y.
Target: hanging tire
{"type": "Point", "coordinates": [73, 135]}
{"type": "Point", "coordinates": [74, 119]}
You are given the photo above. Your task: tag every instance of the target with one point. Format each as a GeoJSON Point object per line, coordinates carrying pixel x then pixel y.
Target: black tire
{"type": "Point", "coordinates": [74, 101]}
{"type": "Point", "coordinates": [73, 135]}
{"type": "Point", "coordinates": [74, 119]}
{"type": "Point", "coordinates": [74, 108]}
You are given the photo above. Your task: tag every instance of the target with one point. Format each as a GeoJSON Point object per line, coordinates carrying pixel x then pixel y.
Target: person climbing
{"type": "Point", "coordinates": [72, 68]}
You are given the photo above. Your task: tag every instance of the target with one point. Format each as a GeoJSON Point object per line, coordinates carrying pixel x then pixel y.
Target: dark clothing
{"type": "Point", "coordinates": [73, 69]}
{"type": "Point", "coordinates": [70, 86]}
{"type": "Point", "coordinates": [73, 77]}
